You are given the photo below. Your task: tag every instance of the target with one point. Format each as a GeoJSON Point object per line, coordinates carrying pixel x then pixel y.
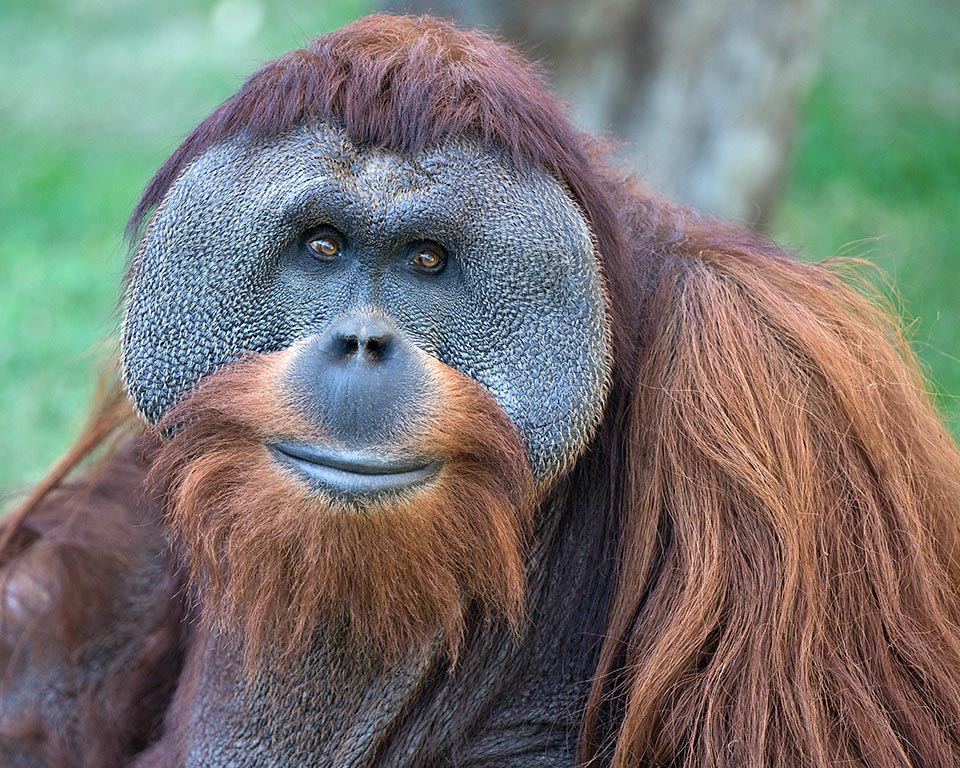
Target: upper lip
{"type": "Point", "coordinates": [352, 471]}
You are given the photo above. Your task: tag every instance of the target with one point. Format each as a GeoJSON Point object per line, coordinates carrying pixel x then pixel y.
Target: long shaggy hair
{"type": "Point", "coordinates": [273, 558]}
{"type": "Point", "coordinates": [790, 510]}
{"type": "Point", "coordinates": [781, 498]}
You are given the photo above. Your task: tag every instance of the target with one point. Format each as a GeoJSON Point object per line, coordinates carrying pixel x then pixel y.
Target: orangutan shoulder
{"type": "Point", "coordinates": [91, 629]}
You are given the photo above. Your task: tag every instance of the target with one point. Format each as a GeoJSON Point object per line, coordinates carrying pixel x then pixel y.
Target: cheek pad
{"type": "Point", "coordinates": [204, 287]}
{"type": "Point", "coordinates": [190, 305]}
{"type": "Point", "coordinates": [533, 330]}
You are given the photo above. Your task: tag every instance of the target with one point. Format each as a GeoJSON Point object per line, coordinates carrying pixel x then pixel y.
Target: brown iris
{"type": "Point", "coordinates": [324, 246]}
{"type": "Point", "coordinates": [429, 258]}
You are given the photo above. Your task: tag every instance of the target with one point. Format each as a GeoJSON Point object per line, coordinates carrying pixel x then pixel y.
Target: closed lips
{"type": "Point", "coordinates": [352, 472]}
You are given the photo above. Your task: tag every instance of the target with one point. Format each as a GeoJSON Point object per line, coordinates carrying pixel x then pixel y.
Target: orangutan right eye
{"type": "Point", "coordinates": [325, 246]}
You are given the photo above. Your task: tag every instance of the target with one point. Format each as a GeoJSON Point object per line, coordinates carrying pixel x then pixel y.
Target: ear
{"type": "Point", "coordinates": [788, 575]}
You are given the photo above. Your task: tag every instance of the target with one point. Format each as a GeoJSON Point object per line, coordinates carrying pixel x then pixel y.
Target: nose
{"type": "Point", "coordinates": [361, 340]}
{"type": "Point", "coordinates": [362, 381]}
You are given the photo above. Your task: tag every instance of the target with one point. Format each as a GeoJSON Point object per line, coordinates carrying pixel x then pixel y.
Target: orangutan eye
{"type": "Point", "coordinates": [427, 257]}
{"type": "Point", "coordinates": [325, 246]}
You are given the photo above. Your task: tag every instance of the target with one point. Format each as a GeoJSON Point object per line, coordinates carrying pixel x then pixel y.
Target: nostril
{"type": "Point", "coordinates": [376, 346]}
{"type": "Point", "coordinates": [360, 340]}
{"type": "Point", "coordinates": [348, 346]}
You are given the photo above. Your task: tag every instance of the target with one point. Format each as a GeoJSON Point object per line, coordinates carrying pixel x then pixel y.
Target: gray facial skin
{"type": "Point", "coordinates": [224, 270]}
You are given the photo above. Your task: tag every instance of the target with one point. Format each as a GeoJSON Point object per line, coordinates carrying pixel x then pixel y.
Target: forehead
{"type": "Point", "coordinates": [325, 149]}
{"type": "Point", "coordinates": [316, 172]}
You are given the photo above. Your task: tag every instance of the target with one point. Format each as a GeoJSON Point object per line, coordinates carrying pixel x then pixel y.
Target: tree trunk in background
{"type": "Point", "coordinates": [703, 93]}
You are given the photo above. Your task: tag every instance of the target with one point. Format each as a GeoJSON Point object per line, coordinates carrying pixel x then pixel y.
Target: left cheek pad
{"type": "Point", "coordinates": [533, 330]}
{"type": "Point", "coordinates": [549, 374]}
{"type": "Point", "coordinates": [196, 299]}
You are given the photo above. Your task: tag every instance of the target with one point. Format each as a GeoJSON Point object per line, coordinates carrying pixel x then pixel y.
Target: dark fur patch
{"type": "Point", "coordinates": [91, 632]}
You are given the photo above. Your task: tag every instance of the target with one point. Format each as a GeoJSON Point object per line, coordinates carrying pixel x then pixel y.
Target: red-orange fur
{"type": "Point", "coordinates": [793, 511]}
{"type": "Point", "coordinates": [273, 558]}
{"type": "Point", "coordinates": [783, 499]}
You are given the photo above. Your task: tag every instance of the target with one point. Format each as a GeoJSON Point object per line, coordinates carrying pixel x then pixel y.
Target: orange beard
{"type": "Point", "coordinates": [271, 558]}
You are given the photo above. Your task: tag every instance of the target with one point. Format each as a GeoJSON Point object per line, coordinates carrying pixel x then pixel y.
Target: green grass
{"type": "Point", "coordinates": [95, 93]}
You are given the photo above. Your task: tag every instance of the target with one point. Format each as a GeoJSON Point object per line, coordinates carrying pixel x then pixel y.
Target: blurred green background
{"type": "Point", "coordinates": [95, 93]}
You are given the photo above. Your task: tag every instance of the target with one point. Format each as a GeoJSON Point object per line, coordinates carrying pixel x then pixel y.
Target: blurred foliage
{"type": "Point", "coordinates": [876, 172]}
{"type": "Point", "coordinates": [95, 93]}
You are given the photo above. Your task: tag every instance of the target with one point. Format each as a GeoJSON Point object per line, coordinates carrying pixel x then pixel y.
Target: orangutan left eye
{"type": "Point", "coordinates": [429, 258]}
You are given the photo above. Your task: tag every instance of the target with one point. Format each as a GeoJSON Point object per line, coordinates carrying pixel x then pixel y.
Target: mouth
{"type": "Point", "coordinates": [352, 473]}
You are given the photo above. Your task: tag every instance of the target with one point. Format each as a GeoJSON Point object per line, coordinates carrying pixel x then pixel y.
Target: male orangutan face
{"type": "Point", "coordinates": [369, 365]}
